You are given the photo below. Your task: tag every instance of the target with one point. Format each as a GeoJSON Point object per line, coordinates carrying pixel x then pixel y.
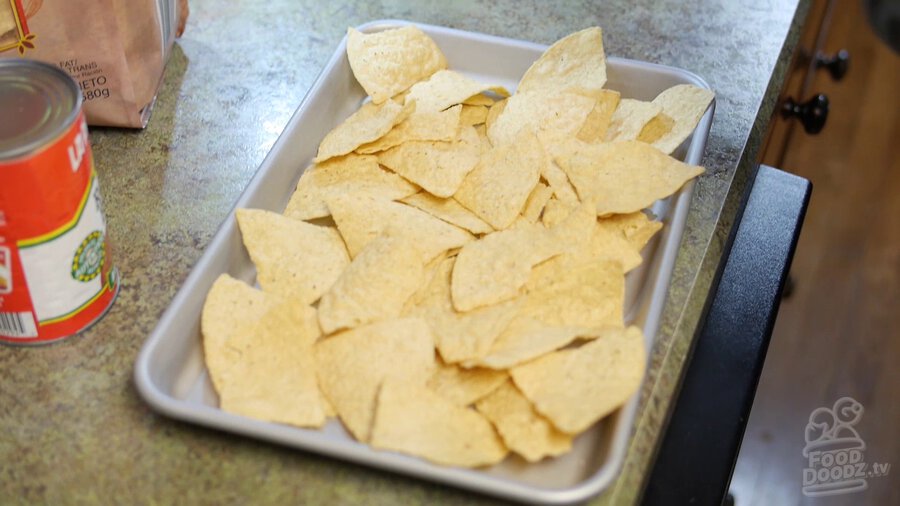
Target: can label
{"type": "Point", "coordinates": [56, 277]}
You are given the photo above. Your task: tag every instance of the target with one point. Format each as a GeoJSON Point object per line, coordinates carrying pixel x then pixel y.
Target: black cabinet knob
{"type": "Point", "coordinates": [837, 64]}
{"type": "Point", "coordinates": [812, 113]}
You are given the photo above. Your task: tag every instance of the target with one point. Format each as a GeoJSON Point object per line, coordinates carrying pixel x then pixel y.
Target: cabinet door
{"type": "Point", "coordinates": [798, 82]}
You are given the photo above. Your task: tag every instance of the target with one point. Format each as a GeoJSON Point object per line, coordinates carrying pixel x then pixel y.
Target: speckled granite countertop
{"type": "Point", "coordinates": [72, 427]}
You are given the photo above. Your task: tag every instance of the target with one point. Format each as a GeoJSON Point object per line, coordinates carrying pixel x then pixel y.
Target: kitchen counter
{"type": "Point", "coordinates": [73, 427]}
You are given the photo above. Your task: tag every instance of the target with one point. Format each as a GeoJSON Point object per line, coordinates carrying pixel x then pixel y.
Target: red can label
{"type": "Point", "coordinates": [56, 277]}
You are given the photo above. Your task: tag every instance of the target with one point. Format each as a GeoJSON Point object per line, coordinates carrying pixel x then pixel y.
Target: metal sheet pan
{"type": "Point", "coordinates": [170, 373]}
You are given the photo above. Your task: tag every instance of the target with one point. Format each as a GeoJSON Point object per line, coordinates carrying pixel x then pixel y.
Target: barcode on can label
{"type": "Point", "coordinates": [17, 325]}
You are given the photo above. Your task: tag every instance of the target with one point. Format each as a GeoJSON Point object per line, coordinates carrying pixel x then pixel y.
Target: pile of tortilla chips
{"type": "Point", "coordinates": [448, 278]}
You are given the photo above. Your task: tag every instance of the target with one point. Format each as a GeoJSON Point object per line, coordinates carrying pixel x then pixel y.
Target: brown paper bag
{"type": "Point", "coordinates": [114, 49]}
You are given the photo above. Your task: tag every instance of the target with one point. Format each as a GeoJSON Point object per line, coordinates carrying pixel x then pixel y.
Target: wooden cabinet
{"type": "Point", "coordinates": [801, 109]}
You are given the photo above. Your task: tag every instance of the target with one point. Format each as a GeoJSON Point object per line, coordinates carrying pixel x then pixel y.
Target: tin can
{"type": "Point", "coordinates": [56, 276]}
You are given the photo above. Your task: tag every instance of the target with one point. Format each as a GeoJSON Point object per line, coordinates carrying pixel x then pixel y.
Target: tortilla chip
{"type": "Point", "coordinates": [446, 88]}
{"type": "Point", "coordinates": [481, 130]}
{"type": "Point", "coordinates": [412, 419]}
{"type": "Point", "coordinates": [573, 232]}
{"type": "Point", "coordinates": [230, 304]}
{"type": "Point", "coordinates": [611, 244]}
{"type": "Point", "coordinates": [580, 299]}
{"type": "Point", "coordinates": [660, 125]}
{"type": "Point", "coordinates": [575, 388]}
{"type": "Point", "coordinates": [605, 244]}
{"type": "Point", "coordinates": [559, 182]}
{"type": "Point", "coordinates": [293, 258]}
{"type": "Point", "coordinates": [493, 269]}
{"type": "Point", "coordinates": [387, 63]}
{"type": "Point", "coordinates": [550, 114]}
{"type": "Point", "coordinates": [479, 99]}
{"type": "Point", "coordinates": [330, 412]}
{"type": "Point", "coordinates": [273, 376]}
{"type": "Point", "coordinates": [536, 202]}
{"type": "Point", "coordinates": [352, 364]}
{"type": "Point", "coordinates": [637, 227]}
{"type": "Point", "coordinates": [465, 386]}
{"type": "Point", "coordinates": [685, 104]}
{"type": "Point", "coordinates": [467, 337]}
{"type": "Point", "coordinates": [367, 124]}
{"type": "Point", "coordinates": [473, 114]}
{"type": "Point", "coordinates": [448, 210]}
{"type": "Point", "coordinates": [590, 294]}
{"type": "Point", "coordinates": [584, 239]}
{"type": "Point", "coordinates": [623, 177]}
{"type": "Point", "coordinates": [522, 429]}
{"type": "Point", "coordinates": [361, 218]}
{"type": "Point", "coordinates": [493, 112]}
{"type": "Point", "coordinates": [375, 286]}
{"type": "Point", "coordinates": [461, 336]}
{"type": "Point", "coordinates": [438, 167]}
{"type": "Point", "coordinates": [423, 291]}
{"type": "Point", "coordinates": [497, 232]}
{"type": "Point", "coordinates": [497, 188]}
{"type": "Point", "coordinates": [346, 174]}
{"type": "Point", "coordinates": [419, 126]}
{"type": "Point", "coordinates": [630, 118]}
{"type": "Point", "coordinates": [527, 338]}
{"type": "Point", "coordinates": [598, 120]}
{"type": "Point", "coordinates": [556, 211]}
{"type": "Point", "coordinates": [576, 233]}
{"type": "Point", "coordinates": [575, 61]}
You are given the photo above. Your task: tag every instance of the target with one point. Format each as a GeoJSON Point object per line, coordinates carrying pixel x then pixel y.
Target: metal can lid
{"type": "Point", "coordinates": [38, 101]}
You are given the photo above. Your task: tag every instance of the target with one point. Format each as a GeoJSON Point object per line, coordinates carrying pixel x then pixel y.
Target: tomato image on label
{"type": "Point", "coordinates": [89, 257]}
